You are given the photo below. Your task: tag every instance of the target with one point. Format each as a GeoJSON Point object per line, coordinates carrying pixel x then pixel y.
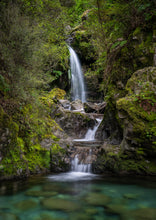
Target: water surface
{"type": "Point", "coordinates": [76, 195]}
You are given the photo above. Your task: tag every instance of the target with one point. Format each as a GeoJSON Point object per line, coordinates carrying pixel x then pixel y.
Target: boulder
{"type": "Point", "coordinates": [137, 111]}
{"type": "Point", "coordinates": [77, 105]}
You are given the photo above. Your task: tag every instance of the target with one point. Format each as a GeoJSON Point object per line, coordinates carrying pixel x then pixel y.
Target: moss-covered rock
{"type": "Point", "coordinates": [130, 118]}
{"type": "Point", "coordinates": [138, 112]}
{"type": "Point", "coordinates": [27, 137]}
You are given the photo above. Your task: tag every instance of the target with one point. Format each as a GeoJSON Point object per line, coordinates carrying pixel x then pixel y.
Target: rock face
{"type": "Point", "coordinates": [137, 112]}
{"type": "Point", "coordinates": [75, 124]}
{"type": "Point", "coordinates": [129, 127]}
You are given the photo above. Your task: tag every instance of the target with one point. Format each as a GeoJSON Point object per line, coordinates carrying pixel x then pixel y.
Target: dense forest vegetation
{"type": "Point", "coordinates": [114, 40]}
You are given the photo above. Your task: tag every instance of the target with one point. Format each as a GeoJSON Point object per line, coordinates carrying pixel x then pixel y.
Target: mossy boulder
{"type": "Point", "coordinates": [137, 110]}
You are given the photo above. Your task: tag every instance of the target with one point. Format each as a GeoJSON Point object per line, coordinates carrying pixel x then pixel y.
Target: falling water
{"type": "Point", "coordinates": [77, 80]}
{"type": "Point", "coordinates": [90, 135]}
{"type": "Point", "coordinates": [78, 166]}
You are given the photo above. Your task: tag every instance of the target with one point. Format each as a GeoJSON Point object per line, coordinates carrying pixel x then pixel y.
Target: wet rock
{"type": "Point", "coordinates": [131, 196]}
{"type": "Point", "coordinates": [26, 205]}
{"type": "Point", "coordinates": [80, 216]}
{"type": "Point", "coordinates": [98, 108]}
{"type": "Point", "coordinates": [36, 193]}
{"type": "Point", "coordinates": [74, 124]}
{"type": "Point", "coordinates": [60, 204]}
{"type": "Point", "coordinates": [77, 105]}
{"type": "Point", "coordinates": [98, 199]}
{"type": "Point", "coordinates": [46, 216]}
{"type": "Point", "coordinates": [92, 211]}
{"type": "Point", "coordinates": [65, 104]}
{"type": "Point", "coordinates": [116, 209]}
{"type": "Point", "coordinates": [90, 108]}
{"type": "Point", "coordinates": [8, 216]}
{"type": "Point", "coordinates": [51, 187]}
{"type": "Point", "coordinates": [140, 214]}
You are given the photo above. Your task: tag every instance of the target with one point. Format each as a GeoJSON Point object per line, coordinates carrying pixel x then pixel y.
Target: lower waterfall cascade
{"type": "Point", "coordinates": [82, 162]}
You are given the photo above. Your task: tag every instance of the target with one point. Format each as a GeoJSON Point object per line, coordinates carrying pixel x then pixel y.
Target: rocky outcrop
{"type": "Point", "coordinates": [129, 128]}
{"type": "Point", "coordinates": [74, 123]}
{"type": "Point", "coordinates": [137, 111]}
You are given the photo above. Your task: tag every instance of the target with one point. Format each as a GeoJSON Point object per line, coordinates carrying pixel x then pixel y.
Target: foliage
{"type": "Point", "coordinates": [33, 51]}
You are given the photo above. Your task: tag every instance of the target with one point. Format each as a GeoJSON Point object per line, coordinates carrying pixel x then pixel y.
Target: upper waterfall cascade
{"type": "Point", "coordinates": [77, 79]}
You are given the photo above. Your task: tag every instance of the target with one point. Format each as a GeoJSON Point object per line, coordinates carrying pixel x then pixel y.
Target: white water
{"type": "Point", "coordinates": [80, 167]}
{"type": "Point", "coordinates": [77, 80]}
{"type": "Point", "coordinates": [90, 135]}
{"type": "Point", "coordinates": [76, 165]}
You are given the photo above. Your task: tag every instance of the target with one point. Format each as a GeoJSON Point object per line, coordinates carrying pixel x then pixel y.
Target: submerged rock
{"type": "Point", "coordinates": [116, 209]}
{"type": "Point", "coordinates": [8, 216]}
{"type": "Point", "coordinates": [140, 214]}
{"type": "Point", "coordinates": [131, 196]}
{"type": "Point", "coordinates": [60, 204]}
{"type": "Point", "coordinates": [98, 199]}
{"type": "Point", "coordinates": [26, 204]}
{"type": "Point", "coordinates": [47, 216]}
{"type": "Point", "coordinates": [38, 193]}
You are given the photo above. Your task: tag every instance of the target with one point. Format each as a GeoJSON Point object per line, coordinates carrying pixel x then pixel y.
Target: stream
{"type": "Point", "coordinates": [76, 195]}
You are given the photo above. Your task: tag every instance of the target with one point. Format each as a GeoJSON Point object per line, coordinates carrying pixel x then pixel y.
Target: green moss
{"type": "Point", "coordinates": [50, 98]}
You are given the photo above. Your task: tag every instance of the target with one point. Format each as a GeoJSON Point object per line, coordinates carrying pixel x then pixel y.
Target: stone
{"type": "Point", "coordinates": [131, 196]}
{"type": "Point", "coordinates": [90, 108]}
{"type": "Point", "coordinates": [74, 124]}
{"type": "Point", "coordinates": [80, 216]}
{"type": "Point", "coordinates": [38, 193]}
{"type": "Point", "coordinates": [98, 108]}
{"type": "Point", "coordinates": [116, 209]}
{"type": "Point", "coordinates": [98, 199]}
{"type": "Point", "coordinates": [60, 204]}
{"type": "Point", "coordinates": [8, 216]}
{"type": "Point", "coordinates": [77, 105]}
{"type": "Point", "coordinates": [140, 214]}
{"type": "Point", "coordinates": [46, 216]}
{"type": "Point", "coordinates": [26, 204]}
{"type": "Point", "coordinates": [91, 211]}
{"type": "Point", "coordinates": [65, 104]}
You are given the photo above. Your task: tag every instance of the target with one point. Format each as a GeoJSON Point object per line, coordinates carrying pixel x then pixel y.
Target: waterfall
{"type": "Point", "coordinates": [78, 166]}
{"type": "Point", "coordinates": [90, 135]}
{"type": "Point", "coordinates": [82, 160]}
{"type": "Point", "coordinates": [77, 80]}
